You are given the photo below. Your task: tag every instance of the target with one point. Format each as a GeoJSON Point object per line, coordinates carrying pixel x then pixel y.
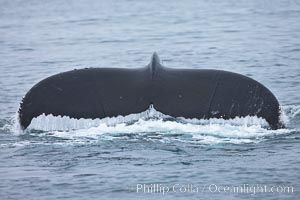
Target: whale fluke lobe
{"type": "Point", "coordinates": [189, 93]}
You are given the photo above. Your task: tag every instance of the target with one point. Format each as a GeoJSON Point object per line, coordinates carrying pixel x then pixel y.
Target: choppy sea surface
{"type": "Point", "coordinates": [142, 155]}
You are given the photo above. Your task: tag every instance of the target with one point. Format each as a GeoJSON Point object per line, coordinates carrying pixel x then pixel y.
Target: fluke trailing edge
{"type": "Point", "coordinates": [190, 93]}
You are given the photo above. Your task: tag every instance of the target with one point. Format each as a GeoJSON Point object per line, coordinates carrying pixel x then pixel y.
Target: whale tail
{"type": "Point", "coordinates": [190, 93]}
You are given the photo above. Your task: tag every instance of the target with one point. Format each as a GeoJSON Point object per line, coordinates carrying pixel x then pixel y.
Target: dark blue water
{"type": "Point", "coordinates": [256, 38]}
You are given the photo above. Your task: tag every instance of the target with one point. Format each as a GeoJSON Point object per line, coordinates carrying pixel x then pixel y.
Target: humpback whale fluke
{"type": "Point", "coordinates": [189, 93]}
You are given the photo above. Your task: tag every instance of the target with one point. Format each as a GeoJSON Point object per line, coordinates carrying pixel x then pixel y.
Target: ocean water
{"type": "Point", "coordinates": [149, 155]}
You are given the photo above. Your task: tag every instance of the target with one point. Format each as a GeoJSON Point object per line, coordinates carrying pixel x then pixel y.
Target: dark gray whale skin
{"type": "Point", "coordinates": [189, 93]}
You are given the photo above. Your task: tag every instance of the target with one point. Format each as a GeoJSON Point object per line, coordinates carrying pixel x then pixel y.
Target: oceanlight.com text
{"type": "Point", "coordinates": [252, 189]}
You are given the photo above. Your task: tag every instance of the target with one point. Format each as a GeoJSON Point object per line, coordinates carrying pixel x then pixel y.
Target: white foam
{"type": "Point", "coordinates": [13, 126]}
{"type": "Point", "coordinates": [199, 133]}
{"type": "Point", "coordinates": [64, 123]}
{"type": "Point", "coordinates": [153, 125]}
